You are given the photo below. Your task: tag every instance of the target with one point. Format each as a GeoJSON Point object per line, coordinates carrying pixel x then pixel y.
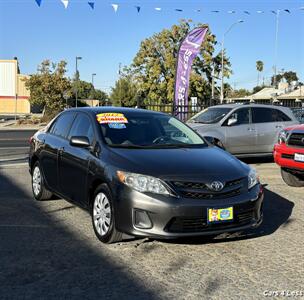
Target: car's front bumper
{"type": "Point", "coordinates": [172, 217]}
{"type": "Point", "coordinates": [284, 156]}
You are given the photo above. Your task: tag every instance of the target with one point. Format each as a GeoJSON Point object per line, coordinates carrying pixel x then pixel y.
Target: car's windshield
{"type": "Point", "coordinates": [135, 130]}
{"type": "Point", "coordinates": [210, 115]}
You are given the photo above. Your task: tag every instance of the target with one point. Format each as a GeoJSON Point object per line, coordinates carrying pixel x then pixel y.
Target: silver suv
{"type": "Point", "coordinates": [243, 129]}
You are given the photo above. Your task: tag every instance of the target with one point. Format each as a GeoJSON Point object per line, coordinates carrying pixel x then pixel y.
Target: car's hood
{"type": "Point", "coordinates": [209, 163]}
{"type": "Point", "coordinates": [201, 127]}
{"type": "Point", "coordinates": [296, 127]}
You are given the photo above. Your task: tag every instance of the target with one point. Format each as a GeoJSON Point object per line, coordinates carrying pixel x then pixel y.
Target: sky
{"type": "Point", "coordinates": [104, 38]}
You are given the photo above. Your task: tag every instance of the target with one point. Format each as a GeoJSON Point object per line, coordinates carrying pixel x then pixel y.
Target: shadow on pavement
{"type": "Point", "coordinates": [258, 160]}
{"type": "Point", "coordinates": [40, 258]}
{"type": "Point", "coordinates": [277, 212]}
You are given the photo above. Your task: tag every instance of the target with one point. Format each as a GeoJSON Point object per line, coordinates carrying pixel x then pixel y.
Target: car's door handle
{"type": "Point", "coordinates": [279, 126]}
{"type": "Point", "coordinates": [251, 129]}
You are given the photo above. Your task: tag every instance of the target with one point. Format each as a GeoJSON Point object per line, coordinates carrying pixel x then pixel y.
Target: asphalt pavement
{"type": "Point", "coordinates": [14, 144]}
{"type": "Point", "coordinates": [48, 251]}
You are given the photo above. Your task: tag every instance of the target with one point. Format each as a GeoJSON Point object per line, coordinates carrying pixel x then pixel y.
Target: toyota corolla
{"type": "Point", "coordinates": [143, 173]}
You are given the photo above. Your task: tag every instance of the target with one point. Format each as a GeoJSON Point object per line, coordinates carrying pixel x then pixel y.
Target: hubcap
{"type": "Point", "coordinates": [102, 214]}
{"type": "Point", "coordinates": [36, 181]}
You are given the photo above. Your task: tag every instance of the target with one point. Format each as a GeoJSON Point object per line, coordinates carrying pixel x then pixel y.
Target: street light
{"type": "Point", "coordinates": [223, 41]}
{"type": "Point", "coordinates": [93, 74]}
{"type": "Point", "coordinates": [77, 78]}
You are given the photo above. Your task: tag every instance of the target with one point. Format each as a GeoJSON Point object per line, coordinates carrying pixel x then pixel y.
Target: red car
{"type": "Point", "coordinates": [289, 155]}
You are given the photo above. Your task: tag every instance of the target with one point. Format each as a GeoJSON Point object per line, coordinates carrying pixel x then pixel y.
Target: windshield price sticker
{"type": "Point", "coordinates": [107, 118]}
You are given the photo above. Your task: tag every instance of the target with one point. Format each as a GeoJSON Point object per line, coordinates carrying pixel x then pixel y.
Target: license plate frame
{"type": "Point", "coordinates": [299, 157]}
{"type": "Point", "coordinates": [220, 215]}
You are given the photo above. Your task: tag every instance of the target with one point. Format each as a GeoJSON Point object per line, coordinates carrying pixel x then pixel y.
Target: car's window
{"type": "Point", "coordinates": [279, 116]}
{"type": "Point", "coordinates": [62, 125]}
{"type": "Point", "coordinates": [264, 115]}
{"type": "Point", "coordinates": [210, 115]}
{"type": "Point", "coordinates": [242, 116]}
{"type": "Point", "coordinates": [82, 126]}
{"type": "Point", "coordinates": [149, 131]}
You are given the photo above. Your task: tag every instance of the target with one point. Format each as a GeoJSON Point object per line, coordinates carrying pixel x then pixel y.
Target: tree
{"type": "Point", "coordinates": [239, 93]}
{"type": "Point", "coordinates": [289, 76]}
{"type": "Point", "coordinates": [48, 86]}
{"type": "Point", "coordinates": [257, 89]}
{"type": "Point", "coordinates": [259, 67]}
{"type": "Point", "coordinates": [124, 93]}
{"type": "Point", "coordinates": [154, 65]}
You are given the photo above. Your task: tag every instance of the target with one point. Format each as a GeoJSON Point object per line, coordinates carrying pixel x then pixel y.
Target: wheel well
{"type": "Point", "coordinates": [33, 161]}
{"type": "Point", "coordinates": [92, 189]}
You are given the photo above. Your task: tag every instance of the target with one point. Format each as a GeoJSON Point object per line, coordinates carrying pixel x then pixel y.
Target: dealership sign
{"type": "Point", "coordinates": [188, 50]}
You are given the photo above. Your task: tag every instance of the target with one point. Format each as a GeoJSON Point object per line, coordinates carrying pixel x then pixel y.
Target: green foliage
{"type": "Point", "coordinates": [289, 76]}
{"type": "Point", "coordinates": [124, 93]}
{"type": "Point", "coordinates": [154, 65]}
{"type": "Point", "coordinates": [257, 89]}
{"type": "Point", "coordinates": [48, 86]}
{"type": "Point", "coordinates": [239, 93]}
{"type": "Point", "coordinates": [259, 66]}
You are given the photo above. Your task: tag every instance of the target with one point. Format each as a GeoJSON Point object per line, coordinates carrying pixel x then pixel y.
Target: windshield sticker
{"type": "Point", "coordinates": [117, 125]}
{"type": "Point", "coordinates": [107, 118]}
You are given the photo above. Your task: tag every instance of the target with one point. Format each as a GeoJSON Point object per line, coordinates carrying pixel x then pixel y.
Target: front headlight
{"type": "Point", "coordinates": [252, 179]}
{"type": "Point", "coordinates": [283, 136]}
{"type": "Point", "coordinates": [143, 183]}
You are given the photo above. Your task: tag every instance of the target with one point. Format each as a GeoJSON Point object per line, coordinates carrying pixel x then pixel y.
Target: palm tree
{"type": "Point", "coordinates": [259, 67]}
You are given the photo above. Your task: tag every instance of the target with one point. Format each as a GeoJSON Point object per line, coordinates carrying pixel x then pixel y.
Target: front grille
{"type": "Point", "coordinates": [200, 190]}
{"type": "Point", "coordinates": [287, 156]}
{"type": "Point", "coordinates": [197, 195]}
{"type": "Point", "coordinates": [296, 139]}
{"type": "Point", "coordinates": [190, 225]}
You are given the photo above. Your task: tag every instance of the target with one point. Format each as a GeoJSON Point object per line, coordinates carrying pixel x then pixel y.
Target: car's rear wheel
{"type": "Point", "coordinates": [39, 190]}
{"type": "Point", "coordinates": [103, 218]}
{"type": "Point", "coordinates": [292, 179]}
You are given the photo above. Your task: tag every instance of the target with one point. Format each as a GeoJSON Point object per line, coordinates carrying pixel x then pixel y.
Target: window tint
{"type": "Point", "coordinates": [242, 116]}
{"type": "Point", "coordinates": [62, 125]}
{"type": "Point", "coordinates": [261, 115]}
{"type": "Point", "coordinates": [264, 115]}
{"type": "Point", "coordinates": [279, 116]}
{"type": "Point", "coordinates": [82, 127]}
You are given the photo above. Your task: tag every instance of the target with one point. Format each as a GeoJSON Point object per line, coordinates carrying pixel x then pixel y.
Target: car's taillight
{"type": "Point", "coordinates": [31, 139]}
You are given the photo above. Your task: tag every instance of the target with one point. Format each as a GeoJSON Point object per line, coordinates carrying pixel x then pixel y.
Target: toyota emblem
{"type": "Point", "coordinates": [216, 186]}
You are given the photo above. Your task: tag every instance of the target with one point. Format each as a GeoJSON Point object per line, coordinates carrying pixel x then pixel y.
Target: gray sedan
{"type": "Point", "coordinates": [243, 129]}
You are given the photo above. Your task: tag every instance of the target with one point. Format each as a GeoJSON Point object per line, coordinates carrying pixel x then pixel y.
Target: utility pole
{"type": "Point", "coordinates": [93, 74]}
{"type": "Point", "coordinates": [222, 72]}
{"type": "Point", "coordinates": [77, 79]}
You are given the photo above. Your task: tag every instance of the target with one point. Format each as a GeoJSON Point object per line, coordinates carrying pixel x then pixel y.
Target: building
{"type": "Point", "coordinates": [287, 95]}
{"type": "Point", "coordinates": [13, 93]}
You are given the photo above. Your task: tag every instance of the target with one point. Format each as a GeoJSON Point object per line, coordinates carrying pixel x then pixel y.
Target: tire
{"type": "Point", "coordinates": [103, 219]}
{"type": "Point", "coordinates": [292, 179]}
{"type": "Point", "coordinates": [39, 190]}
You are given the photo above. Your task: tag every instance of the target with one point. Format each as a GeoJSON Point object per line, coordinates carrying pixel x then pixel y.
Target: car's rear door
{"type": "Point", "coordinates": [53, 140]}
{"type": "Point", "coordinates": [269, 122]}
{"type": "Point", "coordinates": [74, 161]}
{"type": "Point", "coordinates": [240, 137]}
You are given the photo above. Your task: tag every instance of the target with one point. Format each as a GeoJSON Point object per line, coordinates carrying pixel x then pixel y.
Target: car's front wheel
{"type": "Point", "coordinates": [39, 190]}
{"type": "Point", "coordinates": [103, 219]}
{"type": "Point", "coordinates": [292, 179]}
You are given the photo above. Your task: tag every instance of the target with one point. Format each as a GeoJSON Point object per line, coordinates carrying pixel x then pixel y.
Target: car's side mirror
{"type": "Point", "coordinates": [80, 141]}
{"type": "Point", "coordinates": [231, 121]}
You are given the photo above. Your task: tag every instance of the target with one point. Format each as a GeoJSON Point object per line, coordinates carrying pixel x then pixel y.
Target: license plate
{"type": "Point", "coordinates": [299, 157]}
{"type": "Point", "coordinates": [220, 214]}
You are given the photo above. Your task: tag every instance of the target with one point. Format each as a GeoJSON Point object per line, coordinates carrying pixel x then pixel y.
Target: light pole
{"type": "Point", "coordinates": [93, 74]}
{"type": "Point", "coordinates": [223, 42]}
{"type": "Point", "coordinates": [77, 79]}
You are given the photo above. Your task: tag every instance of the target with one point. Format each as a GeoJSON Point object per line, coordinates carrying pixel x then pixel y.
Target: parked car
{"type": "Point", "coordinates": [143, 173]}
{"type": "Point", "coordinates": [243, 129]}
{"type": "Point", "coordinates": [289, 155]}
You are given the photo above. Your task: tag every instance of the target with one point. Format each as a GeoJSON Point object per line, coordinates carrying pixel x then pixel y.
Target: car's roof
{"type": "Point", "coordinates": [114, 109]}
{"type": "Point", "coordinates": [236, 105]}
